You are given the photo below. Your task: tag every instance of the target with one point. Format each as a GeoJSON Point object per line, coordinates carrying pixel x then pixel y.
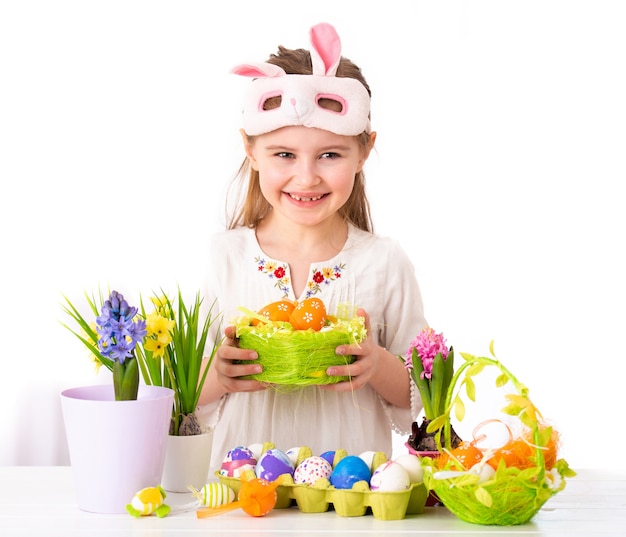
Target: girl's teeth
{"type": "Point", "coordinates": [299, 198]}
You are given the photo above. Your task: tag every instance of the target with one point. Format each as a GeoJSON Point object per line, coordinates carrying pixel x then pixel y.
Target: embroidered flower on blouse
{"type": "Point", "coordinates": [323, 276]}
{"type": "Point", "coordinates": [279, 272]}
{"type": "Point", "coordinates": [275, 271]}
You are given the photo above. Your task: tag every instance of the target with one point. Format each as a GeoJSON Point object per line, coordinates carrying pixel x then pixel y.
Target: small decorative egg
{"type": "Point", "coordinates": [293, 455]}
{"type": "Point", "coordinates": [276, 311]}
{"type": "Point", "coordinates": [413, 466]}
{"type": "Point", "coordinates": [390, 476]}
{"type": "Point", "coordinates": [329, 456]}
{"type": "Point", "coordinates": [147, 501]}
{"type": "Point", "coordinates": [257, 449]}
{"type": "Point", "coordinates": [237, 460]}
{"type": "Point", "coordinates": [309, 313]}
{"type": "Point", "coordinates": [311, 469]}
{"type": "Point", "coordinates": [272, 464]}
{"type": "Point", "coordinates": [368, 457]}
{"type": "Point", "coordinates": [215, 494]}
{"type": "Point", "coordinates": [348, 471]}
{"type": "Point", "coordinates": [483, 471]}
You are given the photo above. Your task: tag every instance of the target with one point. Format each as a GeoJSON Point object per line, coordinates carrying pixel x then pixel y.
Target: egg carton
{"type": "Point", "coordinates": [354, 502]}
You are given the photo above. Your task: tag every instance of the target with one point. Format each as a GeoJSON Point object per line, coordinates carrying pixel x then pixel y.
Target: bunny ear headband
{"type": "Point", "coordinates": [302, 97]}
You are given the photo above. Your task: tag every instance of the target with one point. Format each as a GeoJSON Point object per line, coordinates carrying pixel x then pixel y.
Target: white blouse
{"type": "Point", "coordinates": [370, 272]}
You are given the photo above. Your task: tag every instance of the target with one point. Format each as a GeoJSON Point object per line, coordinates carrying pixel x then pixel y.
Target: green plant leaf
{"type": "Point", "coordinates": [437, 384]}
{"type": "Point", "coordinates": [501, 380]}
{"type": "Point", "coordinates": [436, 423]}
{"type": "Point", "coordinates": [470, 389]}
{"type": "Point", "coordinates": [459, 408]}
{"type": "Point", "coordinates": [483, 496]}
{"type": "Point", "coordinates": [475, 369]}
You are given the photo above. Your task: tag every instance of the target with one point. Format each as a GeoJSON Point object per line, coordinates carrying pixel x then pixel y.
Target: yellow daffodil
{"type": "Point", "coordinates": [159, 327]}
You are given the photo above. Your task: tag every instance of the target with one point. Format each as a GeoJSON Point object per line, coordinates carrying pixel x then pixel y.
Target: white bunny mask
{"type": "Point", "coordinates": [300, 95]}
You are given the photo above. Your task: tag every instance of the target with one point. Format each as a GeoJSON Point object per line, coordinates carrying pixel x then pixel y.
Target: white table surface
{"type": "Point", "coordinates": [41, 501]}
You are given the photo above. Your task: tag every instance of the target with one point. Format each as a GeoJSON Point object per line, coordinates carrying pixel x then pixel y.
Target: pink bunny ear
{"type": "Point", "coordinates": [326, 51]}
{"type": "Point", "coordinates": [258, 70]}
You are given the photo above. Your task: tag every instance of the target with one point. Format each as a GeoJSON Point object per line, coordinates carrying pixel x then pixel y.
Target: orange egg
{"type": "Point", "coordinates": [520, 452]}
{"type": "Point", "coordinates": [258, 496]}
{"type": "Point", "coordinates": [515, 453]}
{"type": "Point", "coordinates": [462, 457]}
{"type": "Point", "coordinates": [276, 311]}
{"type": "Point", "coordinates": [309, 313]}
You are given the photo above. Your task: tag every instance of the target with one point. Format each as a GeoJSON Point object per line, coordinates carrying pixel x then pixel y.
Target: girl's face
{"type": "Point", "coordinates": [306, 174]}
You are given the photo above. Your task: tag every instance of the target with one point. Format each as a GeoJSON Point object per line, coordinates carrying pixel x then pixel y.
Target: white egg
{"type": "Point", "coordinates": [368, 457]}
{"type": "Point", "coordinates": [257, 450]}
{"type": "Point", "coordinates": [293, 455]}
{"type": "Point", "coordinates": [390, 476]}
{"type": "Point", "coordinates": [484, 471]}
{"type": "Point", "coordinates": [412, 465]}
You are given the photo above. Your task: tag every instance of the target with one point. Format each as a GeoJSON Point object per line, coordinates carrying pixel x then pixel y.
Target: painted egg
{"type": "Point", "coordinates": [390, 476]}
{"type": "Point", "coordinates": [329, 456]}
{"type": "Point", "coordinates": [411, 463]}
{"type": "Point", "coordinates": [309, 313]}
{"type": "Point", "coordinates": [311, 469]}
{"type": "Point", "coordinates": [294, 455]}
{"type": "Point", "coordinates": [215, 494]}
{"type": "Point", "coordinates": [237, 460]}
{"type": "Point", "coordinates": [147, 501]}
{"type": "Point", "coordinates": [272, 464]}
{"type": "Point", "coordinates": [276, 311]}
{"type": "Point", "coordinates": [348, 471]}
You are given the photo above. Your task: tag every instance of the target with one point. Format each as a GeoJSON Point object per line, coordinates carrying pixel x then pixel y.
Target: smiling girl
{"type": "Point", "coordinates": [303, 228]}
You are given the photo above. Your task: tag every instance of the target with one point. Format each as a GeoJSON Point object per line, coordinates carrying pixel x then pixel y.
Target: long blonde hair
{"type": "Point", "coordinates": [250, 206]}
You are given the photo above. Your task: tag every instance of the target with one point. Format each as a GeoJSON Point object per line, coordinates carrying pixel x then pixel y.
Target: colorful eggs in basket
{"type": "Point", "coordinates": [272, 464]}
{"type": "Point", "coordinates": [349, 471]}
{"type": "Point", "coordinates": [238, 460]}
{"type": "Point", "coordinates": [312, 469]}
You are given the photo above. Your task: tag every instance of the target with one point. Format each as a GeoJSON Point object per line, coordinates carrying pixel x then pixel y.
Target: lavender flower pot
{"type": "Point", "coordinates": [116, 447]}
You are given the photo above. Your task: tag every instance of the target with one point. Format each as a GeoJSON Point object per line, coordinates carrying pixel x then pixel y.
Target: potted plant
{"type": "Point", "coordinates": [430, 363]}
{"type": "Point", "coordinates": [171, 354]}
{"type": "Point", "coordinates": [124, 426]}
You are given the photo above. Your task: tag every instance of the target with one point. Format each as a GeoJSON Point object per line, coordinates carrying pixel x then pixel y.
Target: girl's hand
{"type": "Point", "coordinates": [228, 371]}
{"type": "Point", "coordinates": [375, 366]}
{"type": "Point", "coordinates": [363, 368]}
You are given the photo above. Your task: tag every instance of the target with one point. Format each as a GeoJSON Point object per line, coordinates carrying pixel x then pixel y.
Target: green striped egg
{"type": "Point", "coordinates": [215, 494]}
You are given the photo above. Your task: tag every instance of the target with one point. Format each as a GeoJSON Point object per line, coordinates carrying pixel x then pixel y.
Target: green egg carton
{"type": "Point", "coordinates": [353, 502]}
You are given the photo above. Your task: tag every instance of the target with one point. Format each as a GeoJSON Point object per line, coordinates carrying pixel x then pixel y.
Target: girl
{"type": "Point", "coordinates": [304, 229]}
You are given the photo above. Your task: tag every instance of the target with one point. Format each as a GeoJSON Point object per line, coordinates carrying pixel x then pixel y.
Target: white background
{"type": "Point", "coordinates": [500, 165]}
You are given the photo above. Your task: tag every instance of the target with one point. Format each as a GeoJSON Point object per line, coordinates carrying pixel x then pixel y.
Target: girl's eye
{"type": "Point", "coordinates": [330, 155]}
{"type": "Point", "coordinates": [284, 154]}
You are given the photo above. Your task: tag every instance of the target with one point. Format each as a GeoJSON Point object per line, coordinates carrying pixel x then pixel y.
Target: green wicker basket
{"type": "Point", "coordinates": [511, 495]}
{"type": "Point", "coordinates": [292, 358]}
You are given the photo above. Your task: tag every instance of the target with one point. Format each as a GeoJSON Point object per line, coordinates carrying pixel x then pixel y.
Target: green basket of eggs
{"type": "Point", "coordinates": [296, 342]}
{"type": "Point", "coordinates": [501, 486]}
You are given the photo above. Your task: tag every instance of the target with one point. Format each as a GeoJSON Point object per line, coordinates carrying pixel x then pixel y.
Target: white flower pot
{"type": "Point", "coordinates": [187, 460]}
{"type": "Point", "coordinates": [116, 448]}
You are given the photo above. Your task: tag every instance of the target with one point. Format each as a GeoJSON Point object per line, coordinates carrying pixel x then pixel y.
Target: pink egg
{"type": "Point", "coordinates": [237, 460]}
{"type": "Point", "coordinates": [311, 469]}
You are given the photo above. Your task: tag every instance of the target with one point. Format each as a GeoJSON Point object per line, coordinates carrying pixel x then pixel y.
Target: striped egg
{"type": "Point", "coordinates": [215, 494]}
